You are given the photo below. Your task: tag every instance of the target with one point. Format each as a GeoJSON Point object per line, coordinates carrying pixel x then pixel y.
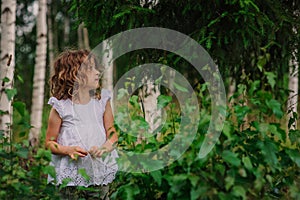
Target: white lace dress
{"type": "Point", "coordinates": [82, 125]}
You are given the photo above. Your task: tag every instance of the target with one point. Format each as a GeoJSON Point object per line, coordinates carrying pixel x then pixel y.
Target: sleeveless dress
{"type": "Point", "coordinates": [82, 125]}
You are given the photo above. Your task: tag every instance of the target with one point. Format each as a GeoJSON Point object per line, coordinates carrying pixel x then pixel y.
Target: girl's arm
{"type": "Point", "coordinates": [108, 120]}
{"type": "Point", "coordinates": [54, 124]}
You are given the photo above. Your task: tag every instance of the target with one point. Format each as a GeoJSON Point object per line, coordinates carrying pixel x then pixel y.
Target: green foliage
{"type": "Point", "coordinates": [251, 37]}
{"type": "Point", "coordinates": [23, 170]}
{"type": "Point", "coordinates": [252, 160]}
{"type": "Point", "coordinates": [24, 174]}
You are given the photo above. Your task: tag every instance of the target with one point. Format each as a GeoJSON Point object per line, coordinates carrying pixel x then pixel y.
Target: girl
{"type": "Point", "coordinates": [80, 134]}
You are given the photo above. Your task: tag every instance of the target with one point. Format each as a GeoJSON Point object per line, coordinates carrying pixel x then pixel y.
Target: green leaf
{"type": "Point", "coordinates": [65, 182]}
{"type": "Point", "coordinates": [83, 173]}
{"type": "Point", "coordinates": [241, 112]}
{"type": "Point", "coordinates": [254, 86]}
{"type": "Point", "coordinates": [247, 163]}
{"type": "Point", "coordinates": [20, 78]}
{"type": "Point", "coordinates": [163, 101]}
{"type": "Point", "coordinates": [23, 153]}
{"type": "Point", "coordinates": [156, 175]}
{"type": "Point", "coordinates": [121, 93]}
{"type": "Point", "coordinates": [1, 134]}
{"type": "Point", "coordinates": [22, 134]}
{"type": "Point", "coordinates": [130, 191]}
{"type": "Point", "coordinates": [180, 88]}
{"type": "Point", "coordinates": [43, 153]}
{"type": "Point", "coordinates": [10, 93]}
{"type": "Point", "coordinates": [279, 134]}
{"type": "Point", "coordinates": [275, 106]}
{"type": "Point", "coordinates": [49, 170]}
{"type": "Point", "coordinates": [228, 129]}
{"type": "Point", "coordinates": [133, 100]}
{"type": "Point", "coordinates": [229, 182]}
{"type": "Point", "coordinates": [271, 78]}
{"type": "Point", "coordinates": [198, 192]}
{"type": "Point", "coordinates": [5, 79]}
{"type": "Point", "coordinates": [194, 180]}
{"type": "Point", "coordinates": [239, 191]}
{"type": "Point", "coordinates": [121, 14]}
{"type": "Point", "coordinates": [231, 158]}
{"type": "Point", "coordinates": [269, 150]}
{"type": "Point", "coordinates": [149, 163]}
{"type": "Point", "coordinates": [20, 107]}
{"type": "Point", "coordinates": [140, 122]}
{"type": "Point", "coordinates": [294, 155]}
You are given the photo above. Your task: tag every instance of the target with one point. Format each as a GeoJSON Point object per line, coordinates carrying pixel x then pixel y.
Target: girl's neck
{"type": "Point", "coordinates": [83, 96]}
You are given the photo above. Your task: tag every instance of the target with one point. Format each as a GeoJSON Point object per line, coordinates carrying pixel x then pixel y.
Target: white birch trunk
{"type": "Point", "coordinates": [231, 90]}
{"type": "Point", "coordinates": [86, 41]}
{"type": "Point", "coordinates": [50, 39]}
{"type": "Point", "coordinates": [7, 63]}
{"type": "Point", "coordinates": [293, 88]}
{"type": "Point", "coordinates": [108, 73]}
{"type": "Point", "coordinates": [66, 29]}
{"type": "Point", "coordinates": [39, 75]}
{"type": "Point", "coordinates": [148, 95]}
{"type": "Point", "coordinates": [80, 36]}
{"type": "Point", "coordinates": [292, 103]}
{"type": "Point", "coordinates": [83, 37]}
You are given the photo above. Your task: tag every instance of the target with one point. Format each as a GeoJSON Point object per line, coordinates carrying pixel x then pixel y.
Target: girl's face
{"type": "Point", "coordinates": [92, 77]}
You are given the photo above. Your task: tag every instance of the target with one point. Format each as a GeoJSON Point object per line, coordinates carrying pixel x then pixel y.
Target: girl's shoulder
{"type": "Point", "coordinates": [58, 105]}
{"type": "Point", "coordinates": [53, 100]}
{"type": "Point", "coordinates": [105, 93]}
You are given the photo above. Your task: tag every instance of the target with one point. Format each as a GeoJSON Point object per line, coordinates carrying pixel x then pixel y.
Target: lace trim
{"type": "Point", "coordinates": [75, 179]}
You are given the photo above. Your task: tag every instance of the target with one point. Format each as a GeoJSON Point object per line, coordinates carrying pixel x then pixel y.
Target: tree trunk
{"type": "Point", "coordinates": [293, 95]}
{"type": "Point", "coordinates": [292, 103]}
{"type": "Point", "coordinates": [83, 37]}
{"type": "Point", "coordinates": [39, 75]}
{"type": "Point", "coordinates": [148, 95]}
{"type": "Point", "coordinates": [80, 37]}
{"type": "Point", "coordinates": [86, 39]}
{"type": "Point", "coordinates": [231, 91]}
{"type": "Point", "coordinates": [107, 76]}
{"type": "Point", "coordinates": [66, 28]}
{"type": "Point", "coordinates": [50, 39]}
{"type": "Point", "coordinates": [7, 64]}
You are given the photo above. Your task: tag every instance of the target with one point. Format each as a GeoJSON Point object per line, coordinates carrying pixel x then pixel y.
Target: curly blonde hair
{"type": "Point", "coordinates": [69, 73]}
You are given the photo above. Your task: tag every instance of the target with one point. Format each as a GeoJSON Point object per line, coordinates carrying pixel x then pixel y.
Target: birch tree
{"type": "Point", "coordinates": [293, 94]}
{"type": "Point", "coordinates": [148, 95]}
{"type": "Point", "coordinates": [149, 92]}
{"type": "Point", "coordinates": [107, 76]}
{"type": "Point", "coordinates": [83, 37]}
{"type": "Point", "coordinates": [292, 102]}
{"type": "Point", "coordinates": [39, 74]}
{"type": "Point", "coordinates": [7, 63]}
{"type": "Point", "coordinates": [50, 38]}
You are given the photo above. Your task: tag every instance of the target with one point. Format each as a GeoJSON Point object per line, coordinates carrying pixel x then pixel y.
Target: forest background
{"type": "Point", "coordinates": [255, 45]}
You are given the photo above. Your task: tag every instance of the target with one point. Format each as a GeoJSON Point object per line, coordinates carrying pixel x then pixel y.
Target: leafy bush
{"type": "Point", "coordinates": [252, 160]}
{"type": "Point", "coordinates": [24, 174]}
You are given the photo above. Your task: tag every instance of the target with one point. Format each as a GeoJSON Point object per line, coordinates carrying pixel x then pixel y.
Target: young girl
{"type": "Point", "coordinates": [80, 134]}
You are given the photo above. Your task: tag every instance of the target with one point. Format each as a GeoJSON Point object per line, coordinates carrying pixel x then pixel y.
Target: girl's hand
{"type": "Point", "coordinates": [97, 151]}
{"type": "Point", "coordinates": [75, 151]}
{"type": "Point", "coordinates": [105, 148]}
